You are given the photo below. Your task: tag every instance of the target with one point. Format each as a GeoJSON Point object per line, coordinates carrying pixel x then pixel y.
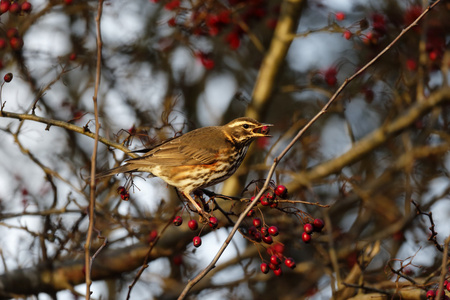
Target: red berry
{"type": "Point", "coordinates": [177, 221]}
{"type": "Point", "coordinates": [379, 23]}
{"type": "Point", "coordinates": [152, 236]}
{"type": "Point", "coordinates": [125, 196]}
{"type": "Point", "coordinates": [257, 222]}
{"type": "Point", "coordinates": [264, 231]}
{"type": "Point", "coordinates": [212, 20]}
{"type": "Point", "coordinates": [207, 62]}
{"type": "Point", "coordinates": [290, 263]}
{"type": "Point", "coordinates": [265, 129]}
{"type": "Point", "coordinates": [172, 5]}
{"type": "Point", "coordinates": [12, 32]}
{"type": "Point", "coordinates": [273, 230]}
{"type": "Point", "coordinates": [273, 267]}
{"type": "Point", "coordinates": [171, 22]}
{"type": "Point", "coordinates": [411, 65]}
{"type": "Point", "coordinates": [257, 236]}
{"type": "Point", "coordinates": [433, 55]}
{"type": "Point", "coordinates": [26, 7]}
{"type": "Point", "coordinates": [224, 16]}
{"type": "Point", "coordinates": [370, 38]}
{"type": "Point", "coordinates": [274, 205]}
{"type": "Point", "coordinates": [278, 248]}
{"type": "Point", "coordinates": [197, 241]}
{"type": "Point", "coordinates": [193, 225]}
{"type": "Point", "coordinates": [16, 43]}
{"type": "Point", "coordinates": [68, 2]}
{"type": "Point", "coordinates": [213, 222]}
{"type": "Point", "coordinates": [278, 272]}
{"type": "Point", "coordinates": [233, 39]}
{"type": "Point", "coordinates": [267, 239]}
{"type": "Point", "coordinates": [213, 30]}
{"type": "Point", "coordinates": [264, 268]}
{"type": "Point", "coordinates": [330, 76]}
{"type": "Point", "coordinates": [4, 6]}
{"type": "Point", "coordinates": [177, 260]}
{"type": "Point", "coordinates": [15, 8]}
{"type": "Point", "coordinates": [340, 16]}
{"type": "Point", "coordinates": [347, 34]}
{"type": "Point", "coordinates": [281, 191]}
{"type": "Point", "coordinates": [264, 201]}
{"type": "Point", "coordinates": [121, 190]}
{"type": "Point", "coordinates": [72, 56]}
{"type": "Point", "coordinates": [306, 237]}
{"type": "Point", "coordinates": [448, 286]}
{"type": "Point", "coordinates": [318, 225]}
{"type": "Point", "coordinates": [275, 260]}
{"type": "Point", "coordinates": [8, 77]}
{"type": "Point", "coordinates": [251, 212]}
{"type": "Point", "coordinates": [308, 228]}
{"type": "Point", "coordinates": [431, 294]}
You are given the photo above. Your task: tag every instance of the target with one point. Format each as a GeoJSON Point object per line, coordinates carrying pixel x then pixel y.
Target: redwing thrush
{"type": "Point", "coordinates": [199, 158]}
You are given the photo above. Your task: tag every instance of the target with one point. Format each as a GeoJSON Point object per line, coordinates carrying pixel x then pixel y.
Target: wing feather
{"type": "Point", "coordinates": [188, 149]}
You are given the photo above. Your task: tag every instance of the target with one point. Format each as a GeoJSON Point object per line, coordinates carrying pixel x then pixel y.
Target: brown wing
{"type": "Point", "coordinates": [196, 147]}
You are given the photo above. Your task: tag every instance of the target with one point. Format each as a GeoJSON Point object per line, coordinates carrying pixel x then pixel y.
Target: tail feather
{"type": "Point", "coordinates": [120, 169]}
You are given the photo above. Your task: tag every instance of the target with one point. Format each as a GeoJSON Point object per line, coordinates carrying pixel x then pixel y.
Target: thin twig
{"type": "Point", "coordinates": [87, 247]}
{"type": "Point", "coordinates": [443, 269]}
{"type": "Point", "coordinates": [146, 259]}
{"type": "Point", "coordinates": [211, 265]}
{"type": "Point", "coordinates": [81, 130]}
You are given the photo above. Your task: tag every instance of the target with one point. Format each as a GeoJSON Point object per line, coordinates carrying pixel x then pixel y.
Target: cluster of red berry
{"type": "Point", "coordinates": [193, 225]}
{"type": "Point", "coordinates": [378, 27]}
{"type": "Point", "coordinates": [15, 7]}
{"type": "Point", "coordinates": [219, 19]}
{"type": "Point", "coordinates": [12, 37]}
{"type": "Point", "coordinates": [309, 229]}
{"type": "Point", "coordinates": [123, 192]}
{"type": "Point", "coordinates": [270, 199]}
{"type": "Point", "coordinates": [330, 76]}
{"type": "Point", "coordinates": [276, 253]}
{"type": "Point", "coordinates": [15, 41]}
{"type": "Point", "coordinates": [431, 294]}
{"type": "Point", "coordinates": [259, 233]}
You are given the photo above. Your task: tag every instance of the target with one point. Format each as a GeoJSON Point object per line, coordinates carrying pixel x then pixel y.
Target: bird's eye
{"type": "Point", "coordinates": [246, 126]}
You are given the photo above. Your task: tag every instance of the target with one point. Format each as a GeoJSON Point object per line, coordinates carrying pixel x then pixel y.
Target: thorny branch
{"type": "Point", "coordinates": [433, 235]}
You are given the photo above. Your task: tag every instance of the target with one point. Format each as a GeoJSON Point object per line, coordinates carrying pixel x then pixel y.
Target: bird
{"type": "Point", "coordinates": [199, 158]}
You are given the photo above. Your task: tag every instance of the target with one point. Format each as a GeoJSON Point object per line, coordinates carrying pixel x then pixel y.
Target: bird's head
{"type": "Point", "coordinates": [244, 130]}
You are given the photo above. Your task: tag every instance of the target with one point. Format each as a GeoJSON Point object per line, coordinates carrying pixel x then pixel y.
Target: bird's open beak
{"type": "Point", "coordinates": [262, 130]}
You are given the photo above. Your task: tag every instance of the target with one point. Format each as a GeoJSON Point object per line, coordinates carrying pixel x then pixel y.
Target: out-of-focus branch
{"type": "Point", "coordinates": [81, 130]}
{"type": "Point", "coordinates": [271, 64]}
{"type": "Point", "coordinates": [45, 278]}
{"type": "Point", "coordinates": [372, 141]}
{"type": "Point", "coordinates": [370, 252]}
{"type": "Point", "coordinates": [88, 259]}
{"type": "Point", "coordinates": [281, 41]}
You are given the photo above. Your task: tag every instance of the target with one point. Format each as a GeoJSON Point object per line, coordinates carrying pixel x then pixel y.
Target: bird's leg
{"type": "Point", "coordinates": [199, 209]}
